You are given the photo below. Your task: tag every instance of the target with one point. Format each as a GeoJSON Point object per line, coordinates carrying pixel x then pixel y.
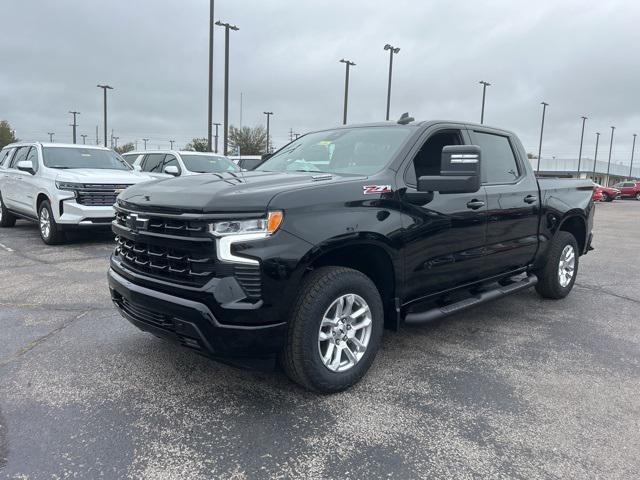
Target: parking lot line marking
{"type": "Point", "coordinates": [2, 245]}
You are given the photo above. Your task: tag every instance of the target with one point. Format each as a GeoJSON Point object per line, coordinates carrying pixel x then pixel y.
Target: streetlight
{"type": "Point", "coordinates": [595, 157]}
{"type": "Point", "coordinates": [633, 148]}
{"type": "Point", "coordinates": [544, 111]}
{"type": "Point", "coordinates": [210, 120]}
{"type": "Point", "coordinates": [84, 139]}
{"type": "Point", "coordinates": [104, 89]}
{"type": "Point", "coordinates": [227, 27]}
{"type": "Point", "coordinates": [392, 50]}
{"type": "Point", "coordinates": [145, 140]}
{"type": "Point", "coordinates": [348, 64]}
{"type": "Point", "coordinates": [609, 162]}
{"type": "Point", "coordinates": [268, 114]}
{"type": "Point", "coordinates": [172, 142]}
{"type": "Point", "coordinates": [51, 134]}
{"type": "Point", "coordinates": [584, 119]}
{"type": "Point", "coordinates": [115, 139]}
{"type": "Point", "coordinates": [217, 125]}
{"type": "Point", "coordinates": [484, 94]}
{"type": "Point", "coordinates": [74, 124]}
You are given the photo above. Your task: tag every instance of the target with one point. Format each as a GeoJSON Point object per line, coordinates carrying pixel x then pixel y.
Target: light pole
{"type": "Point", "coordinates": [484, 94]}
{"type": "Point", "coordinates": [216, 136]}
{"type": "Point", "coordinates": [348, 63]}
{"type": "Point", "coordinates": [145, 140]}
{"type": "Point", "coordinates": [544, 111]}
{"type": "Point", "coordinates": [74, 124]}
{"type": "Point", "coordinates": [51, 134]}
{"type": "Point", "coordinates": [172, 142]}
{"type": "Point", "coordinates": [633, 149]}
{"type": "Point", "coordinates": [210, 120]}
{"type": "Point", "coordinates": [595, 156]}
{"type": "Point", "coordinates": [609, 162]}
{"type": "Point", "coordinates": [104, 89]}
{"type": "Point", "coordinates": [268, 114]}
{"type": "Point", "coordinates": [227, 27]}
{"type": "Point", "coordinates": [392, 50]}
{"type": "Point", "coordinates": [584, 119]}
{"type": "Point", "coordinates": [84, 139]}
{"type": "Point", "coordinates": [115, 139]}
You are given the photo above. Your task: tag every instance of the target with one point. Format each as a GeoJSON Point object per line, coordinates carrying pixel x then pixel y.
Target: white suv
{"type": "Point", "coordinates": [168, 163]}
{"type": "Point", "coordinates": [61, 186]}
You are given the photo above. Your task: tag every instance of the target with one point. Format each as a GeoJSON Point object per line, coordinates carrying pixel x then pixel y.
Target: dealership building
{"type": "Point", "coordinates": [568, 168]}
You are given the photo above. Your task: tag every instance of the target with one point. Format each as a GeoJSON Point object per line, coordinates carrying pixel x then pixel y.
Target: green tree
{"type": "Point", "coordinates": [197, 145]}
{"type": "Point", "coordinates": [127, 147]}
{"type": "Point", "coordinates": [6, 134]}
{"type": "Point", "coordinates": [251, 140]}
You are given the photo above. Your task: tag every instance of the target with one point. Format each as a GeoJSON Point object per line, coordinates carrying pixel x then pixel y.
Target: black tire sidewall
{"type": "Point", "coordinates": [549, 284]}
{"type": "Point", "coordinates": [323, 379]}
{"type": "Point", "coordinates": [53, 230]}
{"type": "Point", "coordinates": [8, 220]}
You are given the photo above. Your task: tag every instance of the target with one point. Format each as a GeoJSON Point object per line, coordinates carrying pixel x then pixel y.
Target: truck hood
{"type": "Point", "coordinates": [223, 192]}
{"type": "Point", "coordinates": [103, 176]}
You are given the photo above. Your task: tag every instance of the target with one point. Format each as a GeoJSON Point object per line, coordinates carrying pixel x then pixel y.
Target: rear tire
{"type": "Point", "coordinates": [606, 197]}
{"type": "Point", "coordinates": [638, 196]}
{"type": "Point", "coordinates": [6, 218]}
{"type": "Point", "coordinates": [49, 230]}
{"type": "Point", "coordinates": [337, 309]}
{"type": "Point", "coordinates": [558, 276]}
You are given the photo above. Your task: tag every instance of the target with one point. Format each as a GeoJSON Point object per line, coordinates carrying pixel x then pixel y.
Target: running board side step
{"type": "Point", "coordinates": [419, 318]}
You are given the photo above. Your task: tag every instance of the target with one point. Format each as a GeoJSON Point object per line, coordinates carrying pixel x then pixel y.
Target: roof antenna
{"type": "Point", "coordinates": [405, 119]}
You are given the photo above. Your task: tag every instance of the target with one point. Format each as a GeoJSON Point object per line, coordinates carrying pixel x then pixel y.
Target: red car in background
{"type": "Point", "coordinates": [629, 189]}
{"type": "Point", "coordinates": [604, 194]}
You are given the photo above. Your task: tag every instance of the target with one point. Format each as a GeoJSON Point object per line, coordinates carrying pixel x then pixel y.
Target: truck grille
{"type": "Point", "coordinates": [98, 195]}
{"type": "Point", "coordinates": [178, 251]}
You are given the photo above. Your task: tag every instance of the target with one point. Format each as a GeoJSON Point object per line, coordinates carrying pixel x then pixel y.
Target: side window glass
{"type": "Point", "coordinates": [3, 156]}
{"type": "Point", "coordinates": [32, 157]}
{"type": "Point", "coordinates": [428, 159]}
{"type": "Point", "coordinates": [153, 163]}
{"type": "Point", "coordinates": [170, 160]}
{"type": "Point", "coordinates": [20, 155]}
{"type": "Point", "coordinates": [498, 160]}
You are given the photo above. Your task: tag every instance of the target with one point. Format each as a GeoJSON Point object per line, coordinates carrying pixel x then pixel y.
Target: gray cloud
{"type": "Point", "coordinates": [576, 55]}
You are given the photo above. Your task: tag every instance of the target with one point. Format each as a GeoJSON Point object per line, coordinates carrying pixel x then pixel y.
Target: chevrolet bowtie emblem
{"type": "Point", "coordinates": [136, 223]}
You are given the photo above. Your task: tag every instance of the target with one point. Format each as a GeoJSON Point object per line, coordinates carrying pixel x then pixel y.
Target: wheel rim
{"type": "Point", "coordinates": [637, 196]}
{"type": "Point", "coordinates": [567, 266]}
{"type": "Point", "coordinates": [45, 223]}
{"type": "Point", "coordinates": [1, 207]}
{"type": "Point", "coordinates": [344, 333]}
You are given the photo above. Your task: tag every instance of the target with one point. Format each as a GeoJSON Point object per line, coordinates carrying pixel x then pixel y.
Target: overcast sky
{"type": "Point", "coordinates": [579, 56]}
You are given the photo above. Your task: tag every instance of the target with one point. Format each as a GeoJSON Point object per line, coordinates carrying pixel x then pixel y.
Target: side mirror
{"type": "Point", "coordinates": [459, 171]}
{"type": "Point", "coordinates": [137, 168]}
{"type": "Point", "coordinates": [26, 166]}
{"type": "Point", "coordinates": [172, 170]}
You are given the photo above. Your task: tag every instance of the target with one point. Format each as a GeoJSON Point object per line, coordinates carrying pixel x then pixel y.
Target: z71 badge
{"type": "Point", "coordinates": [376, 189]}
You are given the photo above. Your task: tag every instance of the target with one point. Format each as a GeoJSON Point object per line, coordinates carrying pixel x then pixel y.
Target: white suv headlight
{"type": "Point", "coordinates": [68, 186]}
{"type": "Point", "coordinates": [229, 232]}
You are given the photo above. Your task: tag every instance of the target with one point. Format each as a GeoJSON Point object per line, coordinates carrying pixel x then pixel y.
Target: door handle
{"type": "Point", "coordinates": [475, 204]}
{"type": "Point", "coordinates": [530, 199]}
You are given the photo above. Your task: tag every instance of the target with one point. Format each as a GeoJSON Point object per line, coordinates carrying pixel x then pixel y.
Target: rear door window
{"type": "Point", "coordinates": [499, 163]}
{"type": "Point", "coordinates": [20, 155]}
{"type": "Point", "coordinates": [4, 155]}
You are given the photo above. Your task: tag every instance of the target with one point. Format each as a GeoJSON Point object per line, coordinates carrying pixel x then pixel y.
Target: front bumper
{"type": "Point", "coordinates": [191, 323]}
{"type": "Point", "coordinates": [72, 213]}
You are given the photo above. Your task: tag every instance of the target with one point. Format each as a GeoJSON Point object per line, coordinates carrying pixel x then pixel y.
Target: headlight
{"type": "Point", "coordinates": [265, 226]}
{"type": "Point", "coordinates": [68, 186]}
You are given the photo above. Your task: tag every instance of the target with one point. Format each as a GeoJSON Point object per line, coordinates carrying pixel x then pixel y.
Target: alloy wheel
{"type": "Point", "coordinates": [45, 223]}
{"type": "Point", "coordinates": [566, 266]}
{"type": "Point", "coordinates": [344, 333]}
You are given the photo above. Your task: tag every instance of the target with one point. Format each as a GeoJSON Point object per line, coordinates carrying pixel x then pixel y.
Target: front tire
{"type": "Point", "coordinates": [6, 218]}
{"type": "Point", "coordinates": [558, 276]}
{"type": "Point", "coordinates": [638, 196]}
{"type": "Point", "coordinates": [49, 230]}
{"type": "Point", "coordinates": [335, 330]}
{"type": "Point", "coordinates": [606, 197]}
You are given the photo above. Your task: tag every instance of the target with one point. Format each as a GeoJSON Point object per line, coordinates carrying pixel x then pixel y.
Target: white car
{"type": "Point", "coordinates": [61, 186]}
{"type": "Point", "coordinates": [168, 163]}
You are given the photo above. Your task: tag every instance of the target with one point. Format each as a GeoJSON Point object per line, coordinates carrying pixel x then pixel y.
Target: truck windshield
{"type": "Point", "coordinates": [208, 164]}
{"type": "Point", "coordinates": [362, 151]}
{"type": "Point", "coordinates": [63, 157]}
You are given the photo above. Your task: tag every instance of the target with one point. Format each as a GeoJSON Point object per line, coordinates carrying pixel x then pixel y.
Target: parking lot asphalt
{"type": "Point", "coordinates": [518, 388]}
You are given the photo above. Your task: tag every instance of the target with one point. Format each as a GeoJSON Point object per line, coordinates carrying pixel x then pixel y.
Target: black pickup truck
{"type": "Point", "coordinates": [339, 234]}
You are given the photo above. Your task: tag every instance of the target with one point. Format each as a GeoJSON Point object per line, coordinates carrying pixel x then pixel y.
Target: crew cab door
{"type": "Point", "coordinates": [443, 234]}
{"type": "Point", "coordinates": [24, 186]}
{"type": "Point", "coordinates": [10, 179]}
{"type": "Point", "coordinates": [513, 203]}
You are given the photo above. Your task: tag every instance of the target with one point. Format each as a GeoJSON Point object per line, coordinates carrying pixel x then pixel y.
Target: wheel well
{"type": "Point", "coordinates": [576, 227]}
{"type": "Point", "coordinates": [375, 263]}
{"type": "Point", "coordinates": [41, 198]}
